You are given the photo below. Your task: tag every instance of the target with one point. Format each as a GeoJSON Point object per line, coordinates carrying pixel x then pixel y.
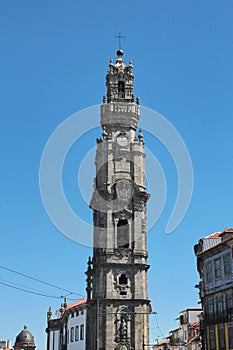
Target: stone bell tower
{"type": "Point", "coordinates": [118, 304]}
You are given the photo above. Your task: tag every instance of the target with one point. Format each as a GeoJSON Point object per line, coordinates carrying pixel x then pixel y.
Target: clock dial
{"type": "Point", "coordinates": [122, 140]}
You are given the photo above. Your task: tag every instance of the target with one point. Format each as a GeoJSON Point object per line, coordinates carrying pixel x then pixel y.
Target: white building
{"type": "Point", "coordinates": [5, 344]}
{"type": "Point", "coordinates": [68, 330]}
{"type": "Point", "coordinates": [183, 337]}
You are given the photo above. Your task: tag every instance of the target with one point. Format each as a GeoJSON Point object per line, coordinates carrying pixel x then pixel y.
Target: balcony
{"type": "Point", "coordinates": [224, 316]}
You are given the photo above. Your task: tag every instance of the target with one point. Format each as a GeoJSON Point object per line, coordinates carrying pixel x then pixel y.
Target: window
{"type": "Point", "coordinates": [210, 306]}
{"type": "Point", "coordinates": [123, 279]}
{"type": "Point", "coordinates": [123, 234]}
{"type": "Point", "coordinates": [72, 334]}
{"type": "Point", "coordinates": [217, 268]}
{"type": "Point", "coordinates": [121, 89]}
{"type": "Point", "coordinates": [219, 302]}
{"type": "Point", "coordinates": [221, 337]}
{"type": "Point", "coordinates": [229, 305]}
{"type": "Point", "coordinates": [209, 273]}
{"type": "Point", "coordinates": [68, 338]}
{"type": "Point", "coordinates": [227, 264]}
{"type": "Point", "coordinates": [212, 339]}
{"type": "Point", "coordinates": [81, 332]}
{"type": "Point", "coordinates": [76, 333]}
{"type": "Point", "coordinates": [230, 334]}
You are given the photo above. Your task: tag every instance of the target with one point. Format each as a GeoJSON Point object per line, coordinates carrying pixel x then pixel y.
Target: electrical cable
{"type": "Point", "coordinates": [40, 281]}
{"type": "Point", "coordinates": [30, 291]}
{"type": "Point", "coordinates": [157, 322]}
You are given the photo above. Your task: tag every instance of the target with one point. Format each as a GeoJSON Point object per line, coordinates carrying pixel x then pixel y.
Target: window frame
{"type": "Point", "coordinates": [217, 269]}
{"type": "Point", "coordinates": [209, 271]}
{"type": "Point", "coordinates": [82, 332]}
{"type": "Point", "coordinates": [227, 264]}
{"type": "Point", "coordinates": [76, 336]}
{"type": "Point", "coordinates": [72, 334]}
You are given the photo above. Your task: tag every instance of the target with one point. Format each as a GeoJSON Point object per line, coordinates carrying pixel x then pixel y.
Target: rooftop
{"type": "Point", "coordinates": [76, 303]}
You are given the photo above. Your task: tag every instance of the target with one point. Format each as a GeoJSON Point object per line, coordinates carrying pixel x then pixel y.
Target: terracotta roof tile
{"type": "Point", "coordinates": [76, 303]}
{"type": "Point", "coordinates": [214, 235]}
{"type": "Point", "coordinates": [162, 342]}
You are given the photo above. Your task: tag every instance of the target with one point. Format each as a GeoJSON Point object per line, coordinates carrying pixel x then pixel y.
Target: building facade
{"type": "Point", "coordinates": [215, 266]}
{"type": "Point", "coordinates": [187, 335]}
{"type": "Point", "coordinates": [118, 304]}
{"type": "Point", "coordinates": [5, 344]}
{"type": "Point", "coordinates": [67, 331]}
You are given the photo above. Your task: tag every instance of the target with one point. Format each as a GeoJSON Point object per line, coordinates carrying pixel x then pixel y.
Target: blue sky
{"type": "Point", "coordinates": [54, 57]}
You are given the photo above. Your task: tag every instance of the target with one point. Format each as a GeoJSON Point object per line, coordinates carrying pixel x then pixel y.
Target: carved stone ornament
{"type": "Point", "coordinates": [121, 254]}
{"type": "Point", "coordinates": [124, 189]}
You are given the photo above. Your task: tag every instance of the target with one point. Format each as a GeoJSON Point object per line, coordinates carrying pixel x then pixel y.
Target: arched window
{"type": "Point", "coordinates": [121, 89]}
{"type": "Point", "coordinates": [123, 279]}
{"type": "Point", "coordinates": [123, 234]}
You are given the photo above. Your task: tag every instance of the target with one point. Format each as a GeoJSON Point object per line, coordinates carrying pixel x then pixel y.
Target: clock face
{"type": "Point", "coordinates": [122, 140]}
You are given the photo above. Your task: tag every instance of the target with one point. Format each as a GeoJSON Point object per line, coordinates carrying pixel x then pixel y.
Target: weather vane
{"type": "Point", "coordinates": [119, 36]}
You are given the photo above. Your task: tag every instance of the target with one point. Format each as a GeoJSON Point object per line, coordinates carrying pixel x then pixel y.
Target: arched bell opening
{"type": "Point", "coordinates": [123, 233]}
{"type": "Point", "coordinates": [121, 89]}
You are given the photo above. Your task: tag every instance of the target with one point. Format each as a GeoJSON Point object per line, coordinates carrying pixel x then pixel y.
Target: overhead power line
{"type": "Point", "coordinates": [30, 291]}
{"type": "Point", "coordinates": [40, 281]}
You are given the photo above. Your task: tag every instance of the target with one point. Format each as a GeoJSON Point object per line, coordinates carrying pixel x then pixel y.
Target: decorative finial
{"type": "Point", "coordinates": [49, 313]}
{"type": "Point", "coordinates": [89, 278]}
{"type": "Point", "coordinates": [25, 326]}
{"type": "Point", "coordinates": [65, 303]}
{"type": "Point", "coordinates": [140, 136]}
{"type": "Point", "coordinates": [89, 261]}
{"type": "Point", "coordinates": [104, 133]}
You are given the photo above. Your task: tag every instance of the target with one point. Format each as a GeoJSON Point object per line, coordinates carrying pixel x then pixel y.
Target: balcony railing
{"type": "Point", "coordinates": [224, 316]}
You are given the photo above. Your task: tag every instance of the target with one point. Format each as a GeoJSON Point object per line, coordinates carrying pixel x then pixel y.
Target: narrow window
{"type": "Point", "coordinates": [121, 89]}
{"type": "Point", "coordinates": [227, 264]}
{"type": "Point", "coordinates": [123, 279]}
{"type": "Point", "coordinates": [72, 334]}
{"type": "Point", "coordinates": [229, 305]}
{"type": "Point", "coordinates": [123, 234]}
{"type": "Point", "coordinates": [209, 275]}
{"type": "Point", "coordinates": [212, 339]}
{"type": "Point", "coordinates": [230, 333]}
{"type": "Point", "coordinates": [221, 337]}
{"type": "Point", "coordinates": [217, 268]}
{"type": "Point", "coordinates": [210, 307]}
{"type": "Point", "coordinates": [76, 333]}
{"type": "Point", "coordinates": [219, 302]}
{"type": "Point", "coordinates": [81, 332]}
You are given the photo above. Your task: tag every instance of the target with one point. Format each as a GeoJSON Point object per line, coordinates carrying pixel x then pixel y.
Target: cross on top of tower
{"type": "Point", "coordinates": [119, 36]}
